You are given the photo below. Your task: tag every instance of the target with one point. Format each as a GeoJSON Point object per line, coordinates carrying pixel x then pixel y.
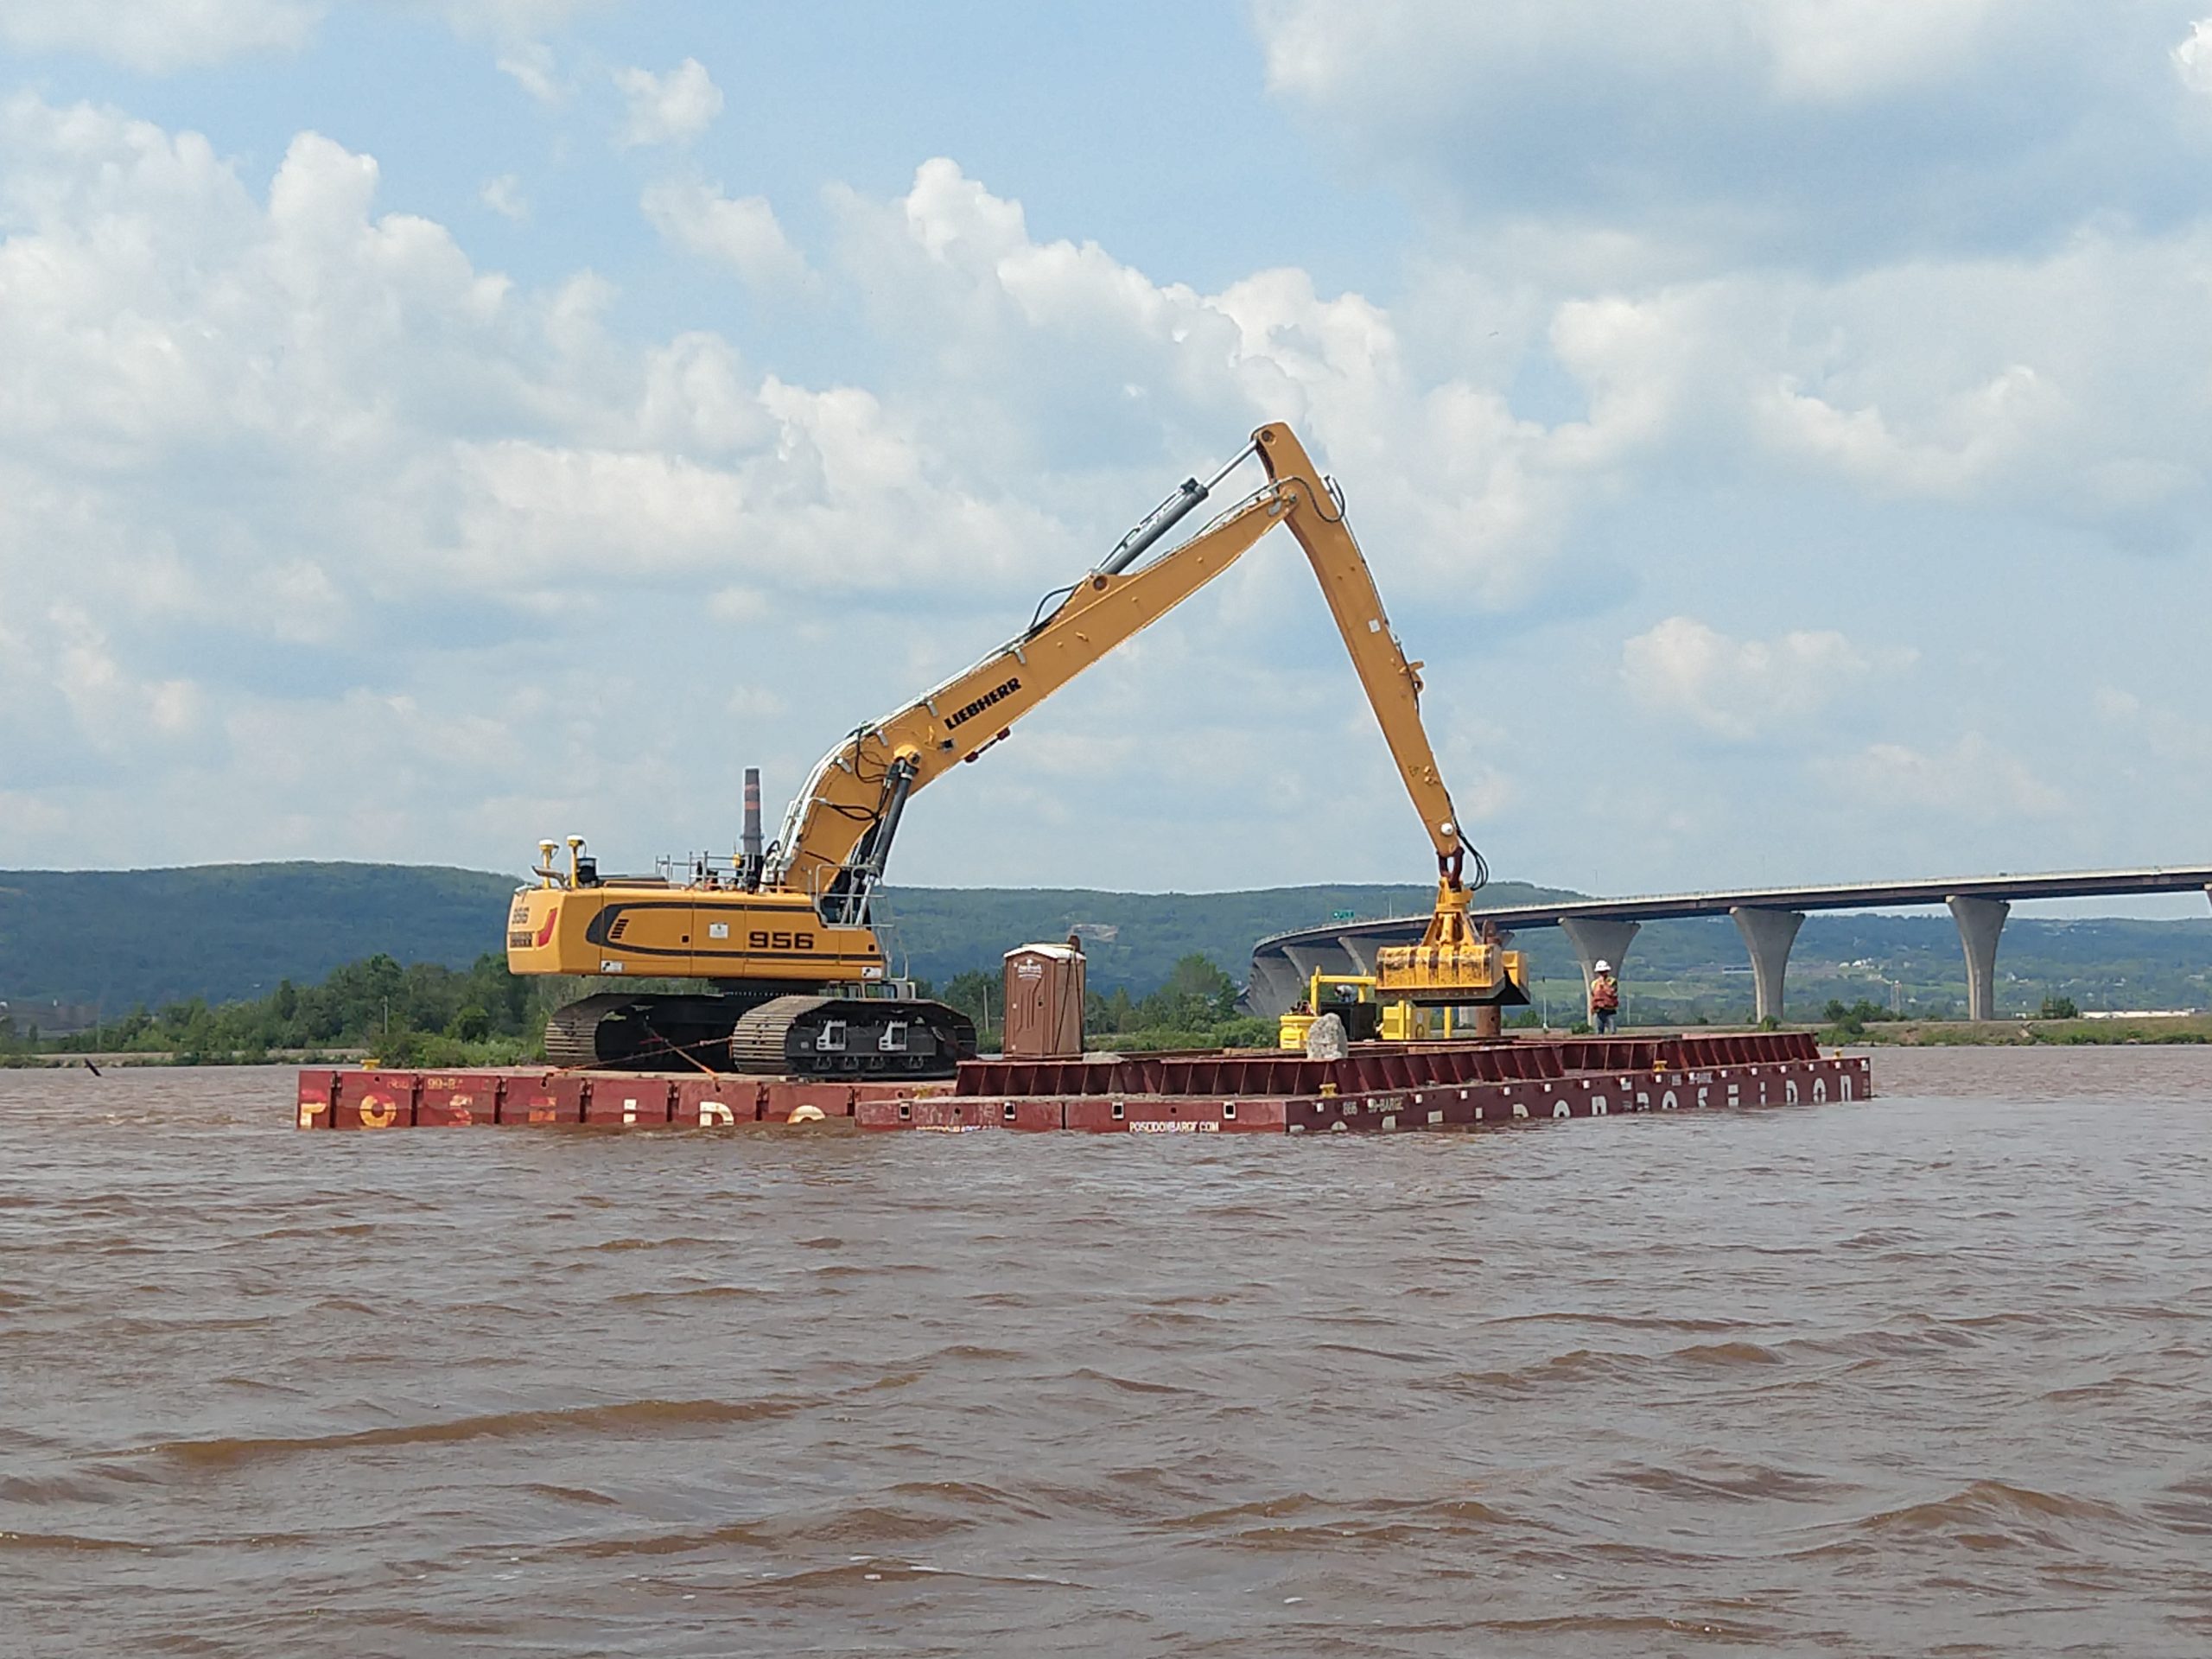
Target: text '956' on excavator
{"type": "Point", "coordinates": [784, 934]}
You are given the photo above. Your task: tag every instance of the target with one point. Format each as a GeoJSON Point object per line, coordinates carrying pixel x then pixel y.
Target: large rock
{"type": "Point", "coordinates": [1324, 1039]}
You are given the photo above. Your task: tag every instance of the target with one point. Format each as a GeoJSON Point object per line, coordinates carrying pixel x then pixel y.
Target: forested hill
{"type": "Point", "coordinates": [117, 937]}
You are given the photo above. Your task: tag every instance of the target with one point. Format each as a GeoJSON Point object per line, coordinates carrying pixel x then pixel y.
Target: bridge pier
{"type": "Point", "coordinates": [1980, 920]}
{"type": "Point", "coordinates": [1274, 988]}
{"type": "Point", "coordinates": [1596, 939]}
{"type": "Point", "coordinates": [1310, 960]}
{"type": "Point", "coordinates": [1768, 935]}
{"type": "Point", "coordinates": [1362, 959]}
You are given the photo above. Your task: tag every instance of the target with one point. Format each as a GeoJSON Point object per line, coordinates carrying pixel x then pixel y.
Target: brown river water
{"type": "Point", "coordinates": [1929, 1373]}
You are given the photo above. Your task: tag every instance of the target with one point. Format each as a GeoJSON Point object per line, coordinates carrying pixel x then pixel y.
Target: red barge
{"type": "Point", "coordinates": [1378, 1087]}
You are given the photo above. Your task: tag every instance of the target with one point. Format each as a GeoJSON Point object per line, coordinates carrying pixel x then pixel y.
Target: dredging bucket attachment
{"type": "Point", "coordinates": [1452, 965]}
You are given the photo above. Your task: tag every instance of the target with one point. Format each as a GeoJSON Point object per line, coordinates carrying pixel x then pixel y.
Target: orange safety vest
{"type": "Point", "coordinates": [1605, 994]}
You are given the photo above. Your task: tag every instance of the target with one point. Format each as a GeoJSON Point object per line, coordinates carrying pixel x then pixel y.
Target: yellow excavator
{"type": "Point", "coordinates": [785, 933]}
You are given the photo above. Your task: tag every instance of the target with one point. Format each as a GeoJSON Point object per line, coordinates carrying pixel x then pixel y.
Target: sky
{"type": "Point", "coordinates": [1780, 427]}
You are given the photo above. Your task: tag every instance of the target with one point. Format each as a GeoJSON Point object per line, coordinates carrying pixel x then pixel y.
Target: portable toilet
{"type": "Point", "coordinates": [1044, 1003]}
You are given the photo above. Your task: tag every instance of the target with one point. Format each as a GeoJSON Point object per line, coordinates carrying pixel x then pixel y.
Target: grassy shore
{"type": "Point", "coordinates": [1941, 1033]}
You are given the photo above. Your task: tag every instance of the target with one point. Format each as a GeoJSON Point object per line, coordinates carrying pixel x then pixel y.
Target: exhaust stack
{"type": "Point", "coordinates": [751, 872]}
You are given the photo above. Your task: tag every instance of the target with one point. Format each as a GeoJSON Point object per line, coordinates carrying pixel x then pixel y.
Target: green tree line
{"type": "Point", "coordinates": [428, 1015]}
{"type": "Point", "coordinates": [424, 1014]}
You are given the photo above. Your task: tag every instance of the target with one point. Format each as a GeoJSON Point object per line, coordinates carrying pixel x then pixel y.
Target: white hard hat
{"type": "Point", "coordinates": [1604, 967]}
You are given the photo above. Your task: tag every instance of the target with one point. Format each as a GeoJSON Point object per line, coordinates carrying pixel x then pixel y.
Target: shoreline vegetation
{"type": "Point", "coordinates": [75, 945]}
{"type": "Point", "coordinates": [2057, 1022]}
{"type": "Point", "coordinates": [428, 1015]}
{"type": "Point", "coordinates": [2167, 1031]}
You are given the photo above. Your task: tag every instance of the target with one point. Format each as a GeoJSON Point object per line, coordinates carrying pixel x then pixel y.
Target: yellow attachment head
{"type": "Point", "coordinates": [1452, 964]}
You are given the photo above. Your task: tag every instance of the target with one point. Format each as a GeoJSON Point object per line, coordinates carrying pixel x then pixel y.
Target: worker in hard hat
{"type": "Point", "coordinates": [1604, 998]}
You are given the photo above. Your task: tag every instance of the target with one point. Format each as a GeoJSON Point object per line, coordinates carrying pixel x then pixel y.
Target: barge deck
{"type": "Point", "coordinates": [1377, 1087]}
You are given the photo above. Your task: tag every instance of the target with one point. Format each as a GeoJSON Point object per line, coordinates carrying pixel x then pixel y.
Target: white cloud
{"type": "Point", "coordinates": [700, 400]}
{"type": "Point", "coordinates": [2155, 732]}
{"type": "Point", "coordinates": [2193, 58]}
{"type": "Point", "coordinates": [1986, 427]}
{"type": "Point", "coordinates": [833, 499]}
{"type": "Point", "coordinates": [1833, 132]}
{"type": "Point", "coordinates": [530, 64]}
{"type": "Point", "coordinates": [256, 423]}
{"type": "Point", "coordinates": [1973, 781]}
{"type": "Point", "coordinates": [1824, 51]}
{"type": "Point", "coordinates": [168, 330]}
{"type": "Point", "coordinates": [672, 109]}
{"type": "Point", "coordinates": [1739, 689]}
{"type": "Point", "coordinates": [1037, 346]}
{"type": "Point", "coordinates": [1840, 51]}
{"type": "Point", "coordinates": [335, 496]}
{"type": "Point", "coordinates": [742, 234]}
{"type": "Point", "coordinates": [513, 19]}
{"type": "Point", "coordinates": [163, 37]}
{"type": "Point", "coordinates": [504, 196]}
{"type": "Point", "coordinates": [280, 423]}
{"type": "Point", "coordinates": [159, 36]}
{"type": "Point", "coordinates": [2069, 384]}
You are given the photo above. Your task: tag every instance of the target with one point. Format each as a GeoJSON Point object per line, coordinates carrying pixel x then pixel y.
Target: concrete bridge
{"type": "Point", "coordinates": [1768, 918]}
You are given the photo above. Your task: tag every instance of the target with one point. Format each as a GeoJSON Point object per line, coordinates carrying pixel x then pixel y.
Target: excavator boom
{"type": "Point", "coordinates": [839, 828]}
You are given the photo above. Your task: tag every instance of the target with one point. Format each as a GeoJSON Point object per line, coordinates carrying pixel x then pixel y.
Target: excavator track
{"type": "Point", "coordinates": [854, 1036]}
{"type": "Point", "coordinates": [645, 1030]}
{"type": "Point", "coordinates": [859, 1038]}
{"type": "Point", "coordinates": [572, 1032]}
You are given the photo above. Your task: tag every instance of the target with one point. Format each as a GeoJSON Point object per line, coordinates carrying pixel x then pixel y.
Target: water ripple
{"type": "Point", "coordinates": [1921, 1375]}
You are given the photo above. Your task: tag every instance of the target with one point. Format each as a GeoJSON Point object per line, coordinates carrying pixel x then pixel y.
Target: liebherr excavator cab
{"type": "Point", "coordinates": [787, 940]}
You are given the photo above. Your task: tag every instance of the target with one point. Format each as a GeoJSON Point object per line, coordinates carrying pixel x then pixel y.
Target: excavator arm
{"type": "Point", "coordinates": [1393, 685]}
{"type": "Point", "coordinates": [838, 831]}
{"type": "Point", "coordinates": [1453, 964]}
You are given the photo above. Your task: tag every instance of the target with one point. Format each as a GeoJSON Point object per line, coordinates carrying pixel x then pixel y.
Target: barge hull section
{"type": "Point", "coordinates": [1378, 1089]}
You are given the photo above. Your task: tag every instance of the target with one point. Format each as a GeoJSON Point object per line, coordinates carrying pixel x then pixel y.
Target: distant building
{"type": "Point", "coordinates": [50, 1019]}
{"type": "Point", "coordinates": [1102, 931]}
{"type": "Point", "coordinates": [2138, 1013]}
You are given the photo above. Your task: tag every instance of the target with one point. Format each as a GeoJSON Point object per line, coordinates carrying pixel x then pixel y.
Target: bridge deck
{"type": "Point", "coordinates": [1603, 927]}
{"type": "Point", "coordinates": [1847, 895]}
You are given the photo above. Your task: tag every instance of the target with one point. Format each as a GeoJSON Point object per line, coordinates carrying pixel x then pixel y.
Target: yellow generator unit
{"type": "Point", "coordinates": [1357, 999]}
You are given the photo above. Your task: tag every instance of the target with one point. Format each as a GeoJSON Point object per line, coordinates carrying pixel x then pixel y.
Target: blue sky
{"type": "Point", "coordinates": [1781, 427]}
